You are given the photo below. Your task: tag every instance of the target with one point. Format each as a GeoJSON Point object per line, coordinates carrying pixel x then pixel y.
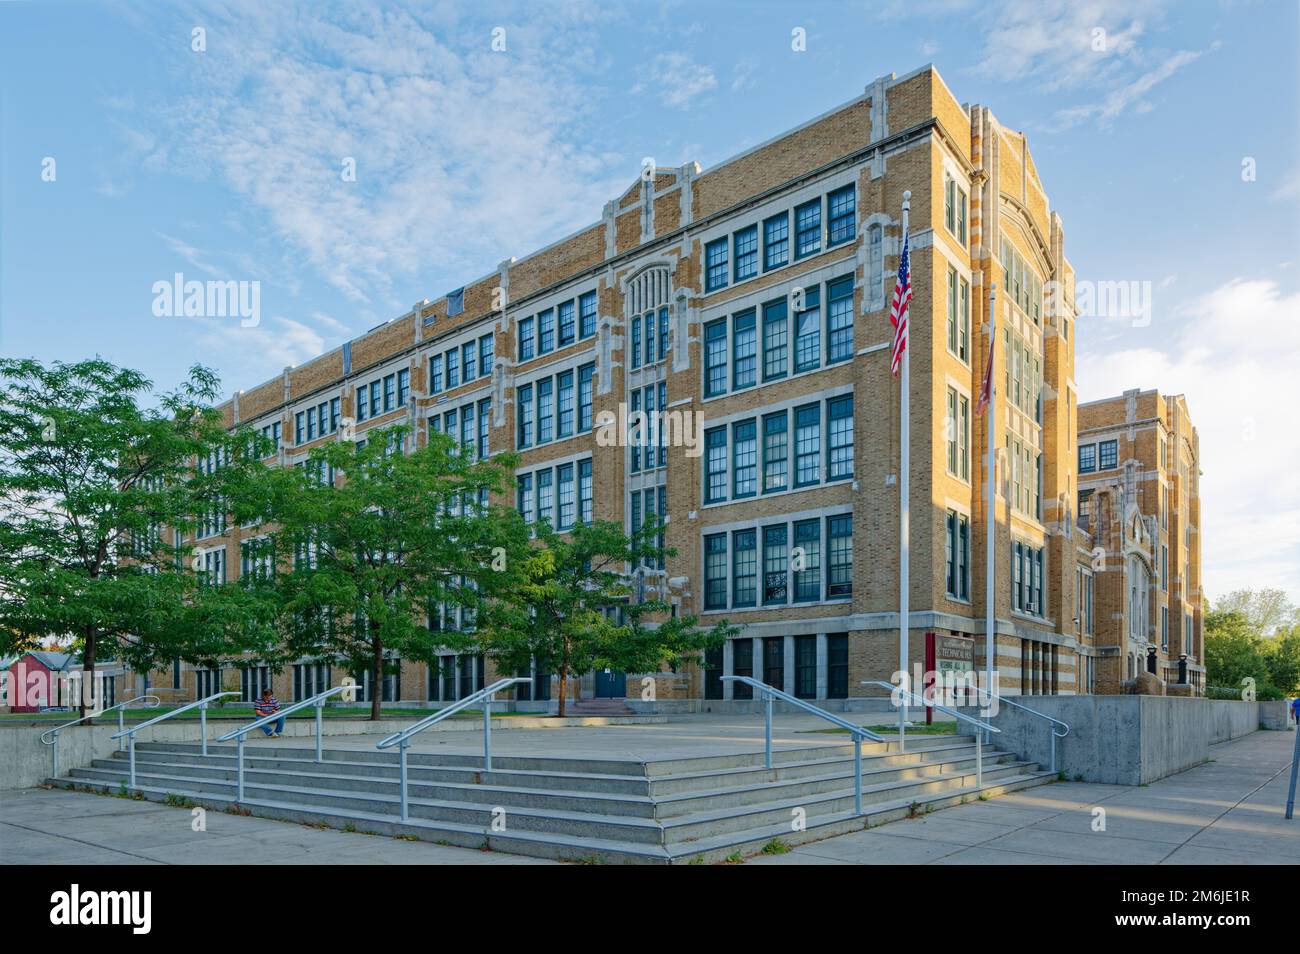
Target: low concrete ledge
{"type": "Point", "coordinates": [25, 761]}
{"type": "Point", "coordinates": [1123, 740]}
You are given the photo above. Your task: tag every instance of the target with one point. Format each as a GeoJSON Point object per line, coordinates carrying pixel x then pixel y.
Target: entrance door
{"type": "Point", "coordinates": [610, 684]}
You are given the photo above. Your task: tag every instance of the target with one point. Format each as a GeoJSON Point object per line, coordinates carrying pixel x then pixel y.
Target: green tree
{"type": "Point", "coordinates": [574, 608]}
{"type": "Point", "coordinates": [92, 485]}
{"type": "Point", "coordinates": [1268, 610]}
{"type": "Point", "coordinates": [371, 557]}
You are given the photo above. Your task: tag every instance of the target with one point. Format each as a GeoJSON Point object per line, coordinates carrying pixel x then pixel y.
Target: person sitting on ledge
{"type": "Point", "coordinates": [265, 706]}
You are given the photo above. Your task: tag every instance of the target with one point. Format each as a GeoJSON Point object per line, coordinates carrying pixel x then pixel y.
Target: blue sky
{"type": "Point", "coordinates": [225, 163]}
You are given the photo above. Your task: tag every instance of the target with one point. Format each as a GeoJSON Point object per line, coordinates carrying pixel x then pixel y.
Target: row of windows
{"type": "Point", "coordinates": [548, 409]}
{"type": "Point", "coordinates": [954, 208]}
{"type": "Point", "coordinates": [793, 557]}
{"type": "Point", "coordinates": [462, 424]}
{"type": "Point", "coordinates": [559, 496]}
{"type": "Point", "coordinates": [556, 327]}
{"type": "Point", "coordinates": [740, 354]}
{"type": "Point", "coordinates": [1020, 282]}
{"type": "Point", "coordinates": [1100, 456]}
{"type": "Point", "coordinates": [735, 258]}
{"type": "Point", "coordinates": [813, 459]}
{"type": "Point", "coordinates": [646, 504]}
{"type": "Point", "coordinates": [652, 346]}
{"type": "Point", "coordinates": [647, 430]}
{"type": "Point", "coordinates": [1027, 578]}
{"type": "Point", "coordinates": [383, 394]}
{"type": "Point", "coordinates": [213, 520]}
{"type": "Point", "coordinates": [272, 433]}
{"type": "Point", "coordinates": [1026, 478]}
{"type": "Point", "coordinates": [316, 421]}
{"type": "Point", "coordinates": [458, 366]}
{"type": "Point", "coordinates": [772, 650]}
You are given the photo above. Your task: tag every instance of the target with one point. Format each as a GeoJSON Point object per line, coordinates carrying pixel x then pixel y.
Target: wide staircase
{"type": "Point", "coordinates": [658, 812]}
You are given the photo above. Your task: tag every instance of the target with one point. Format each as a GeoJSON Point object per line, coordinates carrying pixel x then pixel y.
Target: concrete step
{"type": "Point", "coordinates": [587, 848]}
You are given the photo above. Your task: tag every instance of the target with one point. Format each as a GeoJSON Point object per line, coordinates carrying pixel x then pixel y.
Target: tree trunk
{"type": "Point", "coordinates": [377, 676]}
{"type": "Point", "coordinates": [564, 688]}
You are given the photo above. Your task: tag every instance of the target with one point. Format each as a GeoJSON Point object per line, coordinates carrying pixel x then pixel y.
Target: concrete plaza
{"type": "Point", "coordinates": [1227, 811]}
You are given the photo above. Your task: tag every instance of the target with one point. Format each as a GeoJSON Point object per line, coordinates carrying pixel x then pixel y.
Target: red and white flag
{"type": "Point", "coordinates": [898, 309]}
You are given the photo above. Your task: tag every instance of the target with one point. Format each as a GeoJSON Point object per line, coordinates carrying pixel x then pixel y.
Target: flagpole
{"type": "Point", "coordinates": [904, 498]}
{"type": "Point", "coordinates": [990, 508]}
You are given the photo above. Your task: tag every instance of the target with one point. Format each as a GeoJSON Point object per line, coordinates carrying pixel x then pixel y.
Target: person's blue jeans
{"type": "Point", "coordinates": [277, 726]}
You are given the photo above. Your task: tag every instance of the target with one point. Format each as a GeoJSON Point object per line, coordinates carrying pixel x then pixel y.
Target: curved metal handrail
{"type": "Point", "coordinates": [402, 738]}
{"type": "Point", "coordinates": [920, 701]}
{"type": "Point", "coordinates": [858, 733]}
{"type": "Point", "coordinates": [1001, 700]}
{"type": "Point", "coordinates": [281, 713]}
{"type": "Point", "coordinates": [121, 705]}
{"type": "Point", "coordinates": [130, 733]}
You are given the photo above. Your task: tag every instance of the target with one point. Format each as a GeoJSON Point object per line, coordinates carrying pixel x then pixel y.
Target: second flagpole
{"type": "Point", "coordinates": [904, 498]}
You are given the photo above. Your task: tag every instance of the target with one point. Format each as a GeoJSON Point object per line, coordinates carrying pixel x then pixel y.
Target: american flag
{"type": "Point", "coordinates": [898, 309]}
{"type": "Point", "coordinates": [986, 389]}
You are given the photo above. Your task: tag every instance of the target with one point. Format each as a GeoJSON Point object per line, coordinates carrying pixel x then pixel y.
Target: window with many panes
{"type": "Point", "coordinates": [808, 332]}
{"type": "Point", "coordinates": [715, 464]}
{"type": "Point", "coordinates": [1107, 455]}
{"type": "Point", "coordinates": [839, 438]}
{"type": "Point", "coordinates": [744, 568]}
{"type": "Point", "coordinates": [776, 452]}
{"type": "Point", "coordinates": [776, 340]}
{"type": "Point", "coordinates": [744, 346]}
{"type": "Point", "coordinates": [715, 571]}
{"type": "Point", "coordinates": [715, 357]}
{"type": "Point", "coordinates": [840, 206]}
{"type": "Point", "coordinates": [808, 550]}
{"type": "Point", "coordinates": [776, 565]}
{"type": "Point", "coordinates": [808, 228]}
{"type": "Point", "coordinates": [746, 253]}
{"type": "Point", "coordinates": [958, 555]}
{"type": "Point", "coordinates": [776, 241]}
{"type": "Point", "coordinates": [744, 466]}
{"type": "Point", "coordinates": [807, 443]}
{"type": "Point", "coordinates": [587, 315]}
{"type": "Point", "coordinates": [839, 319]}
{"type": "Point", "coordinates": [715, 265]}
{"type": "Point", "coordinates": [839, 553]}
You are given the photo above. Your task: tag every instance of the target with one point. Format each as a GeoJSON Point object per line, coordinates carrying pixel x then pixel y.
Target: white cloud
{"type": "Point", "coordinates": [1234, 354]}
{"type": "Point", "coordinates": [677, 80]}
{"type": "Point", "coordinates": [259, 352]}
{"type": "Point", "coordinates": [463, 156]}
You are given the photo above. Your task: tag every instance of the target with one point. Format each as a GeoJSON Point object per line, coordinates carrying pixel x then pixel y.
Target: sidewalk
{"type": "Point", "coordinates": [1226, 812]}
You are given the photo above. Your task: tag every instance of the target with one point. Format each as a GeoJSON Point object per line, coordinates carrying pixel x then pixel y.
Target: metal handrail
{"type": "Point", "coordinates": [402, 739]}
{"type": "Point", "coordinates": [858, 733]}
{"type": "Point", "coordinates": [920, 701]}
{"type": "Point", "coordinates": [239, 734]}
{"type": "Point", "coordinates": [1000, 699]}
{"type": "Point", "coordinates": [202, 705]}
{"type": "Point", "coordinates": [121, 721]}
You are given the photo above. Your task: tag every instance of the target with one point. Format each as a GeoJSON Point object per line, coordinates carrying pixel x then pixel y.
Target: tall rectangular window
{"type": "Point", "coordinates": [1087, 458]}
{"type": "Point", "coordinates": [546, 331]}
{"type": "Point", "coordinates": [586, 374]}
{"type": "Point", "coordinates": [485, 355]}
{"type": "Point", "coordinates": [776, 241]}
{"type": "Point", "coordinates": [584, 491]}
{"type": "Point", "coordinates": [963, 320]}
{"type": "Point", "coordinates": [808, 581]}
{"type": "Point", "coordinates": [715, 464]}
{"type": "Point", "coordinates": [742, 664]}
{"type": "Point", "coordinates": [744, 571]}
{"type": "Point", "coordinates": [839, 572]}
{"type": "Point", "coordinates": [650, 338]}
{"type": "Point", "coordinates": [839, 319]}
{"type": "Point", "coordinates": [774, 661]}
{"type": "Point", "coordinates": [807, 445]}
{"type": "Point", "coordinates": [952, 309]}
{"type": "Point", "coordinates": [545, 410]}
{"type": "Point", "coordinates": [484, 407]}
{"type": "Point", "coordinates": [805, 667]}
{"type": "Point", "coordinates": [715, 357]}
{"type": "Point", "coordinates": [453, 368]}
{"type": "Point", "coordinates": [958, 554]}
{"type": "Point", "coordinates": [744, 347]}
{"type": "Point", "coordinates": [744, 459]}
{"type": "Point", "coordinates": [564, 385]}
{"type": "Point", "coordinates": [568, 328]}
{"type": "Point", "coordinates": [839, 438]}
{"type": "Point", "coordinates": [808, 228]}
{"type": "Point", "coordinates": [524, 412]}
{"type": "Point", "coordinates": [390, 392]}
{"type": "Point", "coordinates": [746, 253]}
{"type": "Point", "coordinates": [776, 564]}
{"type": "Point", "coordinates": [545, 496]}
{"type": "Point", "coordinates": [634, 347]}
{"type": "Point", "coordinates": [840, 210]}
{"type": "Point", "coordinates": [587, 315]}
{"type": "Point", "coordinates": [808, 332]}
{"type": "Point", "coordinates": [374, 398]}
{"type": "Point", "coordinates": [1107, 454]}
{"type": "Point", "coordinates": [435, 373]}
{"type": "Point", "coordinates": [837, 666]}
{"type": "Point", "coordinates": [403, 386]}
{"type": "Point", "coordinates": [567, 500]}
{"type": "Point", "coordinates": [663, 332]}
{"type": "Point", "coordinates": [469, 359]}
{"type": "Point", "coordinates": [776, 340]}
{"type": "Point", "coordinates": [524, 496]}
{"type": "Point", "coordinates": [715, 265]}
{"type": "Point", "coordinates": [776, 452]}
{"type": "Point", "coordinates": [715, 571]}
{"type": "Point", "coordinates": [527, 339]}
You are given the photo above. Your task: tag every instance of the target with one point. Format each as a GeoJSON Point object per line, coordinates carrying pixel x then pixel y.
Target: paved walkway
{"type": "Point", "coordinates": [1228, 811]}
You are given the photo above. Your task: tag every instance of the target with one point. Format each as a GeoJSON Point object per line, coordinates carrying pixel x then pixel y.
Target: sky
{"type": "Point", "coordinates": [352, 159]}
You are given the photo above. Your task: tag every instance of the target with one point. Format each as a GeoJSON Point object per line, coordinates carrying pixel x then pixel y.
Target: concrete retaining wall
{"type": "Point", "coordinates": [1123, 740]}
{"type": "Point", "coordinates": [1276, 716]}
{"type": "Point", "coordinates": [25, 761]}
